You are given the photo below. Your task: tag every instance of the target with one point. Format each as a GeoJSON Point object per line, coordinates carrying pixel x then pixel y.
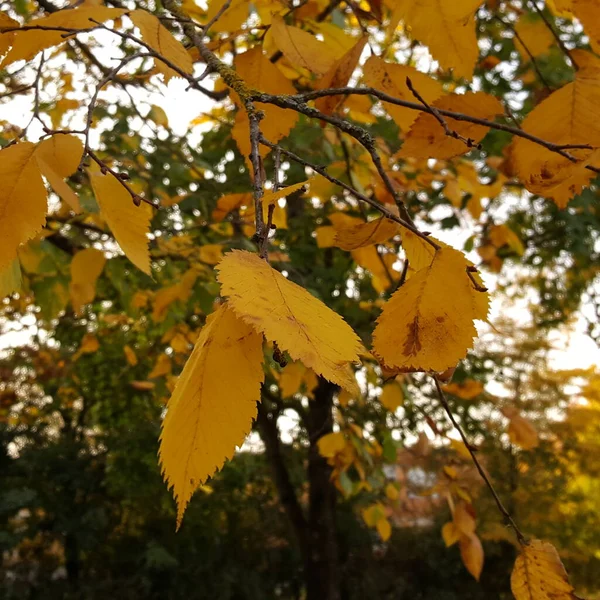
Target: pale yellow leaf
{"type": "Point", "coordinates": [23, 200]}
{"type": "Point", "coordinates": [86, 267]}
{"type": "Point", "coordinates": [391, 396]}
{"type": "Point", "coordinates": [213, 404]}
{"type": "Point", "coordinates": [391, 79]}
{"type": "Point", "coordinates": [129, 223]}
{"type": "Point", "coordinates": [539, 574]}
{"type": "Point", "coordinates": [447, 28]}
{"type": "Point", "coordinates": [427, 325]}
{"type": "Point", "coordinates": [289, 315]}
{"type": "Point", "coordinates": [159, 38]}
{"type": "Point", "coordinates": [366, 234]}
{"type": "Point", "coordinates": [27, 44]}
{"type": "Point", "coordinates": [301, 48]}
{"type": "Point", "coordinates": [471, 552]}
{"type": "Point", "coordinates": [427, 138]}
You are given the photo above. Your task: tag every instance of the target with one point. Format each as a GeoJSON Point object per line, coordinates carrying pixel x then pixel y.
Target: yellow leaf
{"type": "Point", "coordinates": [6, 39]}
{"type": "Point", "coordinates": [261, 74]}
{"type": "Point", "coordinates": [501, 235]}
{"type": "Point", "coordinates": [391, 491]}
{"type": "Point", "coordinates": [471, 552]}
{"type": "Point", "coordinates": [384, 529]}
{"type": "Point", "coordinates": [167, 295]}
{"type": "Point", "coordinates": [587, 12]}
{"type": "Point", "coordinates": [447, 28]}
{"type": "Point", "coordinates": [338, 76]}
{"type": "Point", "coordinates": [467, 390]}
{"type": "Point", "coordinates": [211, 409]}
{"type": "Point", "coordinates": [427, 325]}
{"type": "Point", "coordinates": [366, 234]}
{"type": "Point", "coordinates": [522, 432]}
{"type": "Point", "coordinates": [272, 197]}
{"type": "Point", "coordinates": [211, 254]}
{"type": "Point", "coordinates": [379, 265]}
{"type": "Point", "coordinates": [129, 223]}
{"type": "Point", "coordinates": [10, 278]}
{"type": "Point", "coordinates": [460, 449]}
{"type": "Point", "coordinates": [28, 43]}
{"type": "Point", "coordinates": [130, 356]}
{"type": "Point", "coordinates": [229, 202]}
{"type": "Point", "coordinates": [289, 315]}
{"type": "Point", "coordinates": [89, 344]}
{"type": "Point", "coordinates": [142, 386]}
{"type": "Point", "coordinates": [301, 48]}
{"type": "Point", "coordinates": [534, 35]}
{"type": "Point", "coordinates": [162, 366]}
{"type": "Point", "coordinates": [391, 79]}
{"type": "Point", "coordinates": [161, 41]}
{"type": "Point", "coordinates": [331, 444]}
{"type": "Point", "coordinates": [233, 17]}
{"type": "Point", "coordinates": [23, 201]}
{"type": "Point", "coordinates": [427, 138]}
{"type": "Point", "coordinates": [159, 116]}
{"type": "Point", "coordinates": [539, 574]}
{"type": "Point", "coordinates": [391, 396]}
{"type": "Point", "coordinates": [450, 534]}
{"type": "Point", "coordinates": [325, 236]}
{"type": "Point", "coordinates": [86, 267]}
{"type": "Point", "coordinates": [464, 519]}
{"type": "Point", "coordinates": [571, 115]}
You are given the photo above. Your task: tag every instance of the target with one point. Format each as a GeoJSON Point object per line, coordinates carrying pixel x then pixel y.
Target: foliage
{"type": "Point", "coordinates": [275, 254]}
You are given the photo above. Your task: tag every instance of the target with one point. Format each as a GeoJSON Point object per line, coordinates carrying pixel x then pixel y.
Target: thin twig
{"type": "Point", "coordinates": [219, 14]}
{"type": "Point", "coordinates": [507, 516]}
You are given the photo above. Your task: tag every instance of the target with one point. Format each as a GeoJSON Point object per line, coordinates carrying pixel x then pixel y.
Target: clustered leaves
{"type": "Point", "coordinates": [352, 75]}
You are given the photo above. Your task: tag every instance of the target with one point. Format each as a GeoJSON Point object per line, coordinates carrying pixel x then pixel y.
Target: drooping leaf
{"type": "Point", "coordinates": [211, 411]}
{"type": "Point", "coordinates": [160, 39]}
{"type": "Point", "coordinates": [86, 267]}
{"type": "Point", "coordinates": [427, 325]}
{"type": "Point", "coordinates": [471, 552]}
{"type": "Point", "coordinates": [539, 574]}
{"type": "Point", "coordinates": [129, 223]}
{"type": "Point", "coordinates": [289, 315]}
{"type": "Point", "coordinates": [10, 278]}
{"type": "Point", "coordinates": [571, 115]}
{"type": "Point", "coordinates": [23, 200]}
{"type": "Point", "coordinates": [391, 396]}
{"type": "Point", "coordinates": [58, 157]}
{"type": "Point", "coordinates": [273, 197]}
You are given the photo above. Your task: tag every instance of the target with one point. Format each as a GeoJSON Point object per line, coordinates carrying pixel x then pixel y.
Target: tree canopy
{"type": "Point", "coordinates": [361, 250]}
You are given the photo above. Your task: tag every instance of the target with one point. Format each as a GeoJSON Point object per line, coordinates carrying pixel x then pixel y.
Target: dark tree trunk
{"type": "Point", "coordinates": [322, 564]}
{"type": "Point", "coordinates": [316, 532]}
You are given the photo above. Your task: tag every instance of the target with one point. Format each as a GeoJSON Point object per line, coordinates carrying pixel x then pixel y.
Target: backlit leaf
{"type": "Point", "coordinates": [539, 574]}
{"type": "Point", "coordinates": [86, 267]}
{"type": "Point", "coordinates": [129, 223]}
{"type": "Point", "coordinates": [471, 552]}
{"type": "Point", "coordinates": [366, 234]}
{"type": "Point", "coordinates": [211, 411]}
{"type": "Point", "coordinates": [23, 202]}
{"type": "Point", "coordinates": [162, 41]}
{"type": "Point", "coordinates": [289, 315]}
{"type": "Point", "coordinates": [427, 325]}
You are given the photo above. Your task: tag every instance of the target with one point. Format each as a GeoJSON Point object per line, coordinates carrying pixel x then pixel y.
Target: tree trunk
{"type": "Point", "coordinates": [322, 568]}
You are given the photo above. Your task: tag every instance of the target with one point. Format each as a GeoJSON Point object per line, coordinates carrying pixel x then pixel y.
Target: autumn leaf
{"type": "Point", "coordinates": [391, 79]}
{"type": "Point", "coordinates": [301, 48]}
{"type": "Point", "coordinates": [162, 41]}
{"type": "Point", "coordinates": [539, 574]}
{"type": "Point", "coordinates": [287, 314]}
{"type": "Point", "coordinates": [571, 115]}
{"type": "Point", "coordinates": [58, 157]}
{"type": "Point", "coordinates": [10, 278]}
{"type": "Point", "coordinates": [232, 18]}
{"type": "Point", "coordinates": [366, 234]}
{"type": "Point", "coordinates": [427, 138]}
{"type": "Point", "coordinates": [447, 28]}
{"type": "Point", "coordinates": [22, 188]}
{"type": "Point", "coordinates": [427, 325]}
{"type": "Point", "coordinates": [28, 43]}
{"type": "Point", "coordinates": [129, 223]}
{"type": "Point", "coordinates": [471, 552]}
{"type": "Point", "coordinates": [272, 197]}
{"type": "Point", "coordinates": [86, 267]}
{"type": "Point", "coordinates": [391, 396]}
{"type": "Point", "coordinates": [211, 412]}
{"type": "Point", "coordinates": [587, 12]}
